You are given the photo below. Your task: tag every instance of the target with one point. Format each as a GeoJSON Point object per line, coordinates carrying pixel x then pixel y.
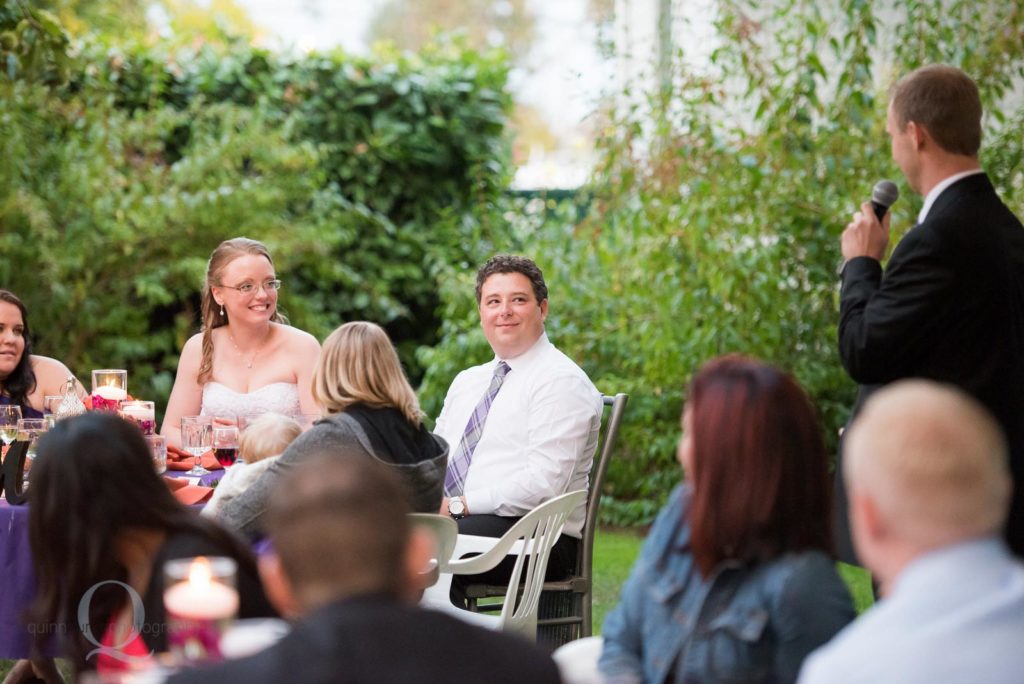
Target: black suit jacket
{"type": "Point", "coordinates": [950, 308]}
{"type": "Point", "coordinates": [375, 640]}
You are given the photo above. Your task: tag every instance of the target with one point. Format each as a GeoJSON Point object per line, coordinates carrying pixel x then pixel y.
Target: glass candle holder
{"type": "Point", "coordinates": [109, 389]}
{"type": "Point", "coordinates": [201, 601]}
{"type": "Point", "coordinates": [142, 413]}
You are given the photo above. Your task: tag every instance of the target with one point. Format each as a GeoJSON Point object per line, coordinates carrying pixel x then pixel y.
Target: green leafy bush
{"type": "Point", "coordinates": [33, 44]}
{"type": "Point", "coordinates": [714, 218]}
{"type": "Point", "coordinates": [364, 175]}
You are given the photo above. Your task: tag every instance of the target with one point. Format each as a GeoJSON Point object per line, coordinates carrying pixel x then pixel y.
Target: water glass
{"type": "Point", "coordinates": [225, 444]}
{"type": "Point", "coordinates": [196, 439]}
{"type": "Point", "coordinates": [29, 429]}
{"type": "Point", "coordinates": [158, 449]}
{"type": "Point", "coordinates": [9, 417]}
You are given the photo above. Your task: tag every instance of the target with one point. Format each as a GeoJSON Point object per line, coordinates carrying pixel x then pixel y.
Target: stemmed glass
{"type": "Point", "coordinates": [196, 439]}
{"type": "Point", "coordinates": [30, 429]}
{"type": "Point", "coordinates": [225, 444]}
{"type": "Point", "coordinates": [9, 417]}
{"type": "Point", "coordinates": [51, 403]}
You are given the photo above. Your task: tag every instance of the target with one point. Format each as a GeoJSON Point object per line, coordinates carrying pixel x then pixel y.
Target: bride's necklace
{"type": "Point", "coordinates": [254, 354]}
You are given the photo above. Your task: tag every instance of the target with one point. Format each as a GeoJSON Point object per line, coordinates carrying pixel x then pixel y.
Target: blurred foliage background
{"type": "Point", "coordinates": [379, 182]}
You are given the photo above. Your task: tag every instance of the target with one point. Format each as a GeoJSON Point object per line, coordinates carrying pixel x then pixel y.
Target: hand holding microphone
{"type": "Point", "coordinates": [868, 233]}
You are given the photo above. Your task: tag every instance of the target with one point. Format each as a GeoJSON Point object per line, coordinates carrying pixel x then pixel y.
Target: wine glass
{"type": "Point", "coordinates": [225, 444]}
{"type": "Point", "coordinates": [196, 439]}
{"type": "Point", "coordinates": [51, 402]}
{"type": "Point", "coordinates": [9, 417]}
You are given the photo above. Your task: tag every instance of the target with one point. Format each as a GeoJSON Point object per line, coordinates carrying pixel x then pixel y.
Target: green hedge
{"type": "Point", "coordinates": [366, 177]}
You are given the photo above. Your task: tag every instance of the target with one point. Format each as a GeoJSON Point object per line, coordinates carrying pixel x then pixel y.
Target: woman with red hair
{"type": "Point", "coordinates": [736, 580]}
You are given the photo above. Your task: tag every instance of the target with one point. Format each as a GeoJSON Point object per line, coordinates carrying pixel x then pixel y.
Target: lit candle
{"type": "Point", "coordinates": [110, 393]}
{"type": "Point", "coordinates": [135, 412]}
{"type": "Point", "coordinates": [198, 609]}
{"type": "Point", "coordinates": [142, 413]}
{"type": "Point", "coordinates": [109, 388]}
{"type": "Point", "coordinates": [201, 597]}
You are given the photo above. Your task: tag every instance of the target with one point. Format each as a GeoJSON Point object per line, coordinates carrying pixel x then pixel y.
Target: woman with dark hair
{"type": "Point", "coordinates": [25, 378]}
{"type": "Point", "coordinates": [101, 518]}
{"type": "Point", "coordinates": [736, 580]}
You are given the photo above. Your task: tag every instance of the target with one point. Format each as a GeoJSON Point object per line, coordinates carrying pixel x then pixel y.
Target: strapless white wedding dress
{"type": "Point", "coordinates": [277, 397]}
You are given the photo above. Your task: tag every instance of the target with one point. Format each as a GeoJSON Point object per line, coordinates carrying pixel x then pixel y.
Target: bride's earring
{"type": "Point", "coordinates": [222, 311]}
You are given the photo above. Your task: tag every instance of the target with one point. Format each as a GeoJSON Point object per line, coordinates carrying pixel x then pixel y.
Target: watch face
{"type": "Point", "coordinates": [456, 507]}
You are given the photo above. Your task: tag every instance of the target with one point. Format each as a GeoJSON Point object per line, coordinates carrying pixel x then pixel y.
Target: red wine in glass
{"type": "Point", "coordinates": [226, 455]}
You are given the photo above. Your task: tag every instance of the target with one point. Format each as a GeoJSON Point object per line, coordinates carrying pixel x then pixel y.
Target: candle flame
{"type": "Point", "coordinates": [199, 572]}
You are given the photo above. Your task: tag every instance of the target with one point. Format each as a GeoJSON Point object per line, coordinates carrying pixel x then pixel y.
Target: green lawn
{"type": "Point", "coordinates": [616, 551]}
{"type": "Point", "coordinates": [614, 555]}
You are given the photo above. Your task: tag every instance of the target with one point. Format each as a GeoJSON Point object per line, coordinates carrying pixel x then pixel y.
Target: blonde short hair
{"type": "Point", "coordinates": [934, 461]}
{"type": "Point", "coordinates": [358, 364]}
{"type": "Point", "coordinates": [268, 435]}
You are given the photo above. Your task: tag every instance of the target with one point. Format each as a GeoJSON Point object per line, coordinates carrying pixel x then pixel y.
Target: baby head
{"type": "Point", "coordinates": [268, 435]}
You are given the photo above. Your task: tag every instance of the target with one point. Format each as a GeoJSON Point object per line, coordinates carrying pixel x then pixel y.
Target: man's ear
{"type": "Point", "coordinates": [917, 133]}
{"type": "Point", "coordinates": [278, 586]}
{"type": "Point", "coordinates": [544, 310]}
{"type": "Point", "coordinates": [419, 571]}
{"type": "Point", "coordinates": [866, 518]}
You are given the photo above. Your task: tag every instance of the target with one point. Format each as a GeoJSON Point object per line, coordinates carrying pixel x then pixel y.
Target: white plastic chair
{"type": "Point", "coordinates": [577, 661]}
{"type": "Point", "coordinates": [536, 532]}
{"type": "Point", "coordinates": [445, 532]}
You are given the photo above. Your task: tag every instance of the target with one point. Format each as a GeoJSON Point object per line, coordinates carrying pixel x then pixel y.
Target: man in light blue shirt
{"type": "Point", "coordinates": [929, 483]}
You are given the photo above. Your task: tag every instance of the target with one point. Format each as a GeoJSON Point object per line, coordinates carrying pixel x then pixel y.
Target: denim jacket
{"type": "Point", "coordinates": [741, 624]}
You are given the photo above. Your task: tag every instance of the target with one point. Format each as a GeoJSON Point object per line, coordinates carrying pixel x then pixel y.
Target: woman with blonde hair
{"type": "Point", "coordinates": [370, 411]}
{"type": "Point", "coordinates": [246, 360]}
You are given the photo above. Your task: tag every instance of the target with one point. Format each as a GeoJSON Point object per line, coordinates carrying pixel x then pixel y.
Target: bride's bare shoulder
{"type": "Point", "coordinates": [298, 339]}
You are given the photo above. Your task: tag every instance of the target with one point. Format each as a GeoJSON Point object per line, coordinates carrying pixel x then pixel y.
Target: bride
{"type": "Point", "coordinates": [246, 360]}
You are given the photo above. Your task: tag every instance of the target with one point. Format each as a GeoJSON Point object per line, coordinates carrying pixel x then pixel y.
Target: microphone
{"type": "Point", "coordinates": [883, 195]}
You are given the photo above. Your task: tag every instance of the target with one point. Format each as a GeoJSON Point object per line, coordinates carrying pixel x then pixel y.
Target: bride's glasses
{"type": "Point", "coordinates": [250, 288]}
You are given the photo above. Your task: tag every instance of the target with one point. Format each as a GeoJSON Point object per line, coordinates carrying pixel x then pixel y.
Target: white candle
{"type": "Point", "coordinates": [138, 413]}
{"type": "Point", "coordinates": [110, 393]}
{"type": "Point", "coordinates": [201, 597]}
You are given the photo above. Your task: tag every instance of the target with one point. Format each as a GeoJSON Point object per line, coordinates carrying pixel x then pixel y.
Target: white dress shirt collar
{"type": "Point", "coordinates": [933, 195]}
{"type": "Point", "coordinates": [527, 356]}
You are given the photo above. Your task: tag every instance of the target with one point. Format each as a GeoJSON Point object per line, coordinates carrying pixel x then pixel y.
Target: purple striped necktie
{"type": "Point", "coordinates": [458, 464]}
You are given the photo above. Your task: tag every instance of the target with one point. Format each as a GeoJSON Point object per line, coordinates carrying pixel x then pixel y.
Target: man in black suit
{"type": "Point", "coordinates": [950, 303]}
{"type": "Point", "coordinates": [346, 563]}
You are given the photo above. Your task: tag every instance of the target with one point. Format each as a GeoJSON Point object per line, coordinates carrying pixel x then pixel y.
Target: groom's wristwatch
{"type": "Point", "coordinates": [456, 508]}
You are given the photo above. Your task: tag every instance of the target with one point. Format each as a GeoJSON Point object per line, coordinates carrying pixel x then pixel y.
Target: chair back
{"type": "Point", "coordinates": [539, 529]}
{"type": "Point", "coordinates": [531, 536]}
{"type": "Point", "coordinates": [445, 532]}
{"type": "Point", "coordinates": [585, 559]}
